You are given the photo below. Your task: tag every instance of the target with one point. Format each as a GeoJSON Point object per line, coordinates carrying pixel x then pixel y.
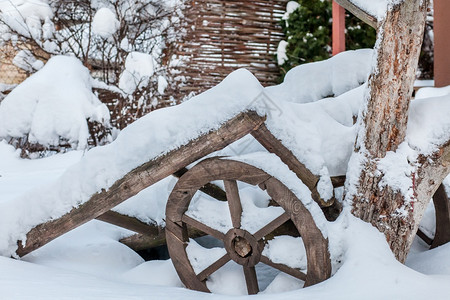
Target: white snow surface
{"type": "Point", "coordinates": [138, 69]}
{"type": "Point", "coordinates": [26, 17]}
{"type": "Point", "coordinates": [331, 77]}
{"type": "Point", "coordinates": [281, 52]}
{"type": "Point", "coordinates": [51, 104]}
{"type": "Point", "coordinates": [105, 23]}
{"type": "Point", "coordinates": [376, 8]}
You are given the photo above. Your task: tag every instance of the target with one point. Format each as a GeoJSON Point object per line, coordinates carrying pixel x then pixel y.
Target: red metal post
{"type": "Point", "coordinates": [441, 43]}
{"type": "Point", "coordinates": [338, 37]}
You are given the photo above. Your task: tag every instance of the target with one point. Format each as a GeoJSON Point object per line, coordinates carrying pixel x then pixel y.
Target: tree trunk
{"type": "Point", "coordinates": [383, 123]}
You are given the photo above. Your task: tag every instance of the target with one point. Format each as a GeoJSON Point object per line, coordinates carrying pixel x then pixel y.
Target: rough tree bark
{"type": "Point", "coordinates": [383, 126]}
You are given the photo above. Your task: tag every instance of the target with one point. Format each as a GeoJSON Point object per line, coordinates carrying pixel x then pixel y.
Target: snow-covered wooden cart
{"type": "Point", "coordinates": [258, 170]}
{"type": "Point", "coordinates": [287, 198]}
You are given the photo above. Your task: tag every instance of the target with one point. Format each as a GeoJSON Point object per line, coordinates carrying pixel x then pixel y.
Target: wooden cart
{"type": "Point", "coordinates": [243, 247]}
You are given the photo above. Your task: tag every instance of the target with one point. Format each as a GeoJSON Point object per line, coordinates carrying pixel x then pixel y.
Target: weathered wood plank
{"type": "Point", "coordinates": [141, 178]}
{"type": "Point", "coordinates": [442, 206]}
{"type": "Point", "coordinates": [139, 241]}
{"type": "Point", "coordinates": [129, 223]}
{"type": "Point", "coordinates": [358, 12]}
{"type": "Point", "coordinates": [209, 189]}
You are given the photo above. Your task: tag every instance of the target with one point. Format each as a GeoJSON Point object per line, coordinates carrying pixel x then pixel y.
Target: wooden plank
{"type": "Point", "coordinates": [359, 13]}
{"type": "Point", "coordinates": [129, 223]}
{"type": "Point", "coordinates": [141, 178]}
{"type": "Point", "coordinates": [209, 189]}
{"type": "Point", "coordinates": [139, 241]}
{"type": "Point", "coordinates": [442, 207]}
{"type": "Point", "coordinates": [251, 280]}
{"type": "Point", "coordinates": [234, 202]}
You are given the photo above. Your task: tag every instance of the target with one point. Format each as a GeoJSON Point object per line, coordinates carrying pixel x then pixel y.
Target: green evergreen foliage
{"type": "Point", "coordinates": [308, 33]}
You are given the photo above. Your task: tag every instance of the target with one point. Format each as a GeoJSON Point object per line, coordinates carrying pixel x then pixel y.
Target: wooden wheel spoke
{"type": "Point", "coordinates": [283, 268]}
{"type": "Point", "coordinates": [424, 237]}
{"type": "Point", "coordinates": [234, 202]}
{"type": "Point", "coordinates": [214, 267]}
{"type": "Point", "coordinates": [202, 227]}
{"type": "Point", "coordinates": [271, 226]}
{"type": "Point", "coordinates": [251, 280]}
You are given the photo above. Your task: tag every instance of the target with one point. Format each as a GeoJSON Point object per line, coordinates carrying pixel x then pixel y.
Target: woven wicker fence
{"type": "Point", "coordinates": [224, 35]}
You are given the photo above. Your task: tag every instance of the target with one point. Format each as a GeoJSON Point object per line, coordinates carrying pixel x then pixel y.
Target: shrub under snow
{"type": "Point", "coordinates": [54, 109]}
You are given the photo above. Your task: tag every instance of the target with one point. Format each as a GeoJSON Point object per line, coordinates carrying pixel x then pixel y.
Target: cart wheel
{"type": "Point", "coordinates": [442, 207]}
{"type": "Point", "coordinates": [245, 247]}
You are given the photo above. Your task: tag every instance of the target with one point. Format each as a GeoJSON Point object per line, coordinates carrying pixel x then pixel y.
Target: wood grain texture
{"type": "Point", "coordinates": [361, 14]}
{"type": "Point", "coordinates": [383, 125]}
{"type": "Point", "coordinates": [241, 246]}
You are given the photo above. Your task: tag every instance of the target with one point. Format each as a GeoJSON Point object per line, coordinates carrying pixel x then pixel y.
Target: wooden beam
{"type": "Point", "coordinates": [127, 222]}
{"type": "Point", "coordinates": [338, 35]}
{"type": "Point", "coordinates": [209, 189]}
{"type": "Point", "coordinates": [358, 12]}
{"type": "Point", "coordinates": [139, 242]}
{"type": "Point", "coordinates": [141, 178]}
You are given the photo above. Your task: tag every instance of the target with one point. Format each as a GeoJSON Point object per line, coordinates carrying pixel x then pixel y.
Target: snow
{"type": "Point", "coordinates": [376, 8]}
{"type": "Point", "coordinates": [138, 69]}
{"type": "Point", "coordinates": [105, 23]}
{"type": "Point", "coordinates": [162, 84]}
{"type": "Point", "coordinates": [281, 52]}
{"type": "Point", "coordinates": [291, 6]}
{"type": "Point", "coordinates": [53, 105]}
{"type": "Point", "coordinates": [25, 17]}
{"type": "Point", "coordinates": [25, 60]}
{"type": "Point", "coordinates": [271, 164]}
{"type": "Point", "coordinates": [277, 248]}
{"type": "Point", "coordinates": [433, 112]}
{"type": "Point", "coordinates": [339, 74]}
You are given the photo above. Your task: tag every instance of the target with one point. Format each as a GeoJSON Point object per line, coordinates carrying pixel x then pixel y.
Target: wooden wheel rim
{"type": "Point", "coordinates": [316, 246]}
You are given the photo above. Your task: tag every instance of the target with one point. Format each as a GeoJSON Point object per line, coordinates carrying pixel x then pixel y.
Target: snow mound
{"type": "Point", "coordinates": [105, 23]}
{"type": "Point", "coordinates": [52, 106]}
{"type": "Point", "coordinates": [331, 77]}
{"type": "Point", "coordinates": [25, 17]}
{"type": "Point", "coordinates": [138, 69]}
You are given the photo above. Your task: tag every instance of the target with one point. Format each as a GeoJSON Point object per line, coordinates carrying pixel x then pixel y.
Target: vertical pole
{"type": "Point", "coordinates": [338, 37]}
{"type": "Point", "coordinates": [441, 43]}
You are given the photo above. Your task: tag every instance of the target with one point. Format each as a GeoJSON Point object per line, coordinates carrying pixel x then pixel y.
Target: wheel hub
{"type": "Point", "coordinates": [242, 247]}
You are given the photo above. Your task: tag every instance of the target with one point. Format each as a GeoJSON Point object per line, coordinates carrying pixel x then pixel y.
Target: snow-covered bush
{"type": "Point", "coordinates": [104, 35]}
{"type": "Point", "coordinates": [54, 110]}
